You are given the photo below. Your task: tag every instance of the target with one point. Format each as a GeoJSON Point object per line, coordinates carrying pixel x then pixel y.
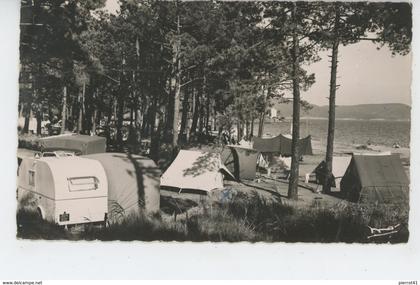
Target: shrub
{"type": "Point", "coordinates": [31, 226]}
{"type": "Point", "coordinates": [244, 218]}
{"type": "Point", "coordinates": [220, 226]}
{"type": "Point", "coordinates": [138, 227]}
{"type": "Point", "coordinates": [344, 223]}
{"type": "Point", "coordinates": [28, 141]}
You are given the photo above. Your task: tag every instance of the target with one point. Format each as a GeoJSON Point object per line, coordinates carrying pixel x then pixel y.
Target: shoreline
{"type": "Point", "coordinates": [288, 119]}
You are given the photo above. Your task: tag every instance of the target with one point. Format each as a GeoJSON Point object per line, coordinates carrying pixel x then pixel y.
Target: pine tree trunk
{"type": "Point", "coordinates": [94, 118]}
{"type": "Point", "coordinates": [50, 112]}
{"type": "Point", "coordinates": [25, 129]}
{"type": "Point", "coordinates": [27, 114]}
{"type": "Point", "coordinates": [251, 133]}
{"type": "Point", "coordinates": [70, 115]}
{"type": "Point", "coordinates": [38, 114]}
{"type": "Point", "coordinates": [239, 131]}
{"type": "Point", "coordinates": [185, 111]}
{"type": "Point", "coordinates": [208, 110]}
{"type": "Point", "coordinates": [294, 168]}
{"type": "Point", "coordinates": [201, 118]}
{"type": "Point", "coordinates": [64, 111]}
{"type": "Point", "coordinates": [137, 118]}
{"type": "Point", "coordinates": [96, 114]}
{"type": "Point", "coordinates": [120, 118]}
{"type": "Point", "coordinates": [176, 113]}
{"type": "Point", "coordinates": [197, 109]}
{"type": "Point", "coordinates": [108, 123]}
{"type": "Point", "coordinates": [122, 90]}
{"type": "Point", "coordinates": [331, 114]}
{"type": "Point", "coordinates": [155, 131]}
{"type": "Point", "coordinates": [177, 89]}
{"type": "Point", "coordinates": [114, 108]}
{"type": "Point", "coordinates": [81, 110]}
{"type": "Point", "coordinates": [196, 112]}
{"type": "Point", "coordinates": [110, 111]}
{"type": "Point", "coordinates": [145, 125]}
{"type": "Point", "coordinates": [261, 124]}
{"type": "Point", "coordinates": [155, 141]}
{"type": "Point", "coordinates": [38, 121]}
{"type": "Point", "coordinates": [131, 116]}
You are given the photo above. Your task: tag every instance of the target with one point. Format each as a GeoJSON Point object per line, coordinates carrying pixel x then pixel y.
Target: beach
{"type": "Point", "coordinates": [348, 131]}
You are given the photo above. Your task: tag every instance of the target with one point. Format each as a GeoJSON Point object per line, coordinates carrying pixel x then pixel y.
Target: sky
{"type": "Point", "coordinates": [365, 75]}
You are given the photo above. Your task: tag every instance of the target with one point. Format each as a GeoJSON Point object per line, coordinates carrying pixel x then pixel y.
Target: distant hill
{"type": "Point", "coordinates": [392, 111]}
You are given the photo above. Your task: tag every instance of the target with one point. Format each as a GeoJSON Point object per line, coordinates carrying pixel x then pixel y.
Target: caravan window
{"type": "Point", "coordinates": [82, 183]}
{"type": "Point", "coordinates": [31, 177]}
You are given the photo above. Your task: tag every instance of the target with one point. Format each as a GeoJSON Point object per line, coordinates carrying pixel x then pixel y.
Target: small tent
{"type": "Point", "coordinates": [266, 144]}
{"type": "Point", "coordinates": [133, 184]}
{"type": "Point", "coordinates": [268, 160]}
{"type": "Point", "coordinates": [240, 161]}
{"type": "Point", "coordinates": [195, 171]}
{"type": "Point", "coordinates": [375, 178]}
{"type": "Point", "coordinates": [282, 144]}
{"type": "Point", "coordinates": [82, 144]}
{"type": "Point", "coordinates": [339, 167]}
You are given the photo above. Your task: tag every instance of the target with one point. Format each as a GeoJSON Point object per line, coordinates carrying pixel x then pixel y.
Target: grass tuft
{"type": "Point", "coordinates": [244, 218]}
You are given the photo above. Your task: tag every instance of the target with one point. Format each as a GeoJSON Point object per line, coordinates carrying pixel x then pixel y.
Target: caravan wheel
{"type": "Point", "coordinates": [39, 214]}
{"type": "Point", "coordinates": [105, 223]}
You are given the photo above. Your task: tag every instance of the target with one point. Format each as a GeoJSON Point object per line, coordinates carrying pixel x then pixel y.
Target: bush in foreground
{"type": "Point", "coordinates": [242, 219]}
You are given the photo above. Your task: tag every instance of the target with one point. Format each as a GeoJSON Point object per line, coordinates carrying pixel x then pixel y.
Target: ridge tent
{"type": "Point", "coordinates": [339, 167]}
{"type": "Point", "coordinates": [266, 144]}
{"type": "Point", "coordinates": [195, 171]}
{"type": "Point", "coordinates": [133, 184]}
{"type": "Point", "coordinates": [274, 161]}
{"type": "Point", "coordinates": [282, 144]}
{"type": "Point", "coordinates": [374, 178]}
{"type": "Point", "coordinates": [240, 161]}
{"type": "Point", "coordinates": [82, 144]}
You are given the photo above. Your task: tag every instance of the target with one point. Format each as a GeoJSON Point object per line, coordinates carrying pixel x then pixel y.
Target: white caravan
{"type": "Point", "coordinates": [65, 190]}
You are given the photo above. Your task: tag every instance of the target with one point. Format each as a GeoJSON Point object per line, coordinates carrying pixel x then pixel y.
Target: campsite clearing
{"type": "Point", "coordinates": [232, 210]}
{"type": "Point", "coordinates": [277, 186]}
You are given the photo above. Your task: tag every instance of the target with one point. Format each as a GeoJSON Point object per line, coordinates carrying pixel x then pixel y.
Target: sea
{"type": "Point", "coordinates": [348, 131]}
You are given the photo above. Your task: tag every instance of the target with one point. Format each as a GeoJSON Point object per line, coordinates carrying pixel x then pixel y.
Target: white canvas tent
{"type": "Point", "coordinates": [195, 170]}
{"type": "Point", "coordinates": [267, 161]}
{"type": "Point", "coordinates": [133, 184]}
{"type": "Point", "coordinates": [339, 167]}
